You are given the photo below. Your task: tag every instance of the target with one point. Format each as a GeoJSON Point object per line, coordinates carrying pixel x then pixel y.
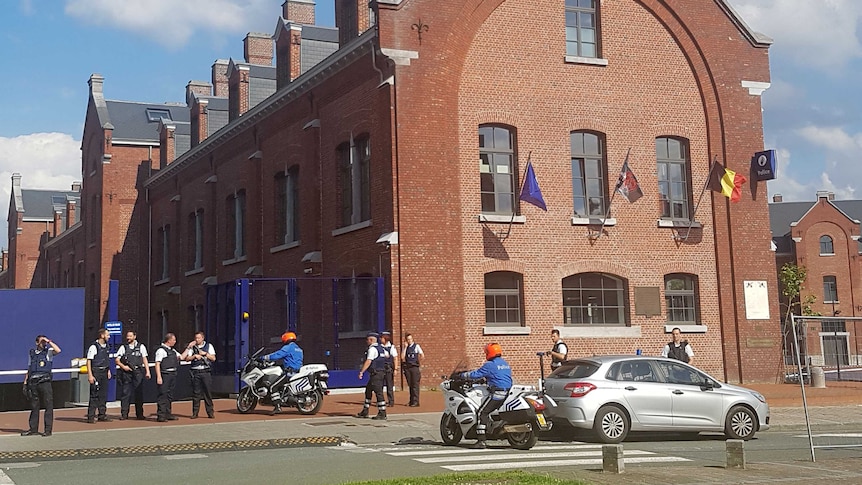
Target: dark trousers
{"type": "Point", "coordinates": [41, 394]}
{"type": "Point", "coordinates": [98, 394]}
{"type": "Point", "coordinates": [413, 375]}
{"type": "Point", "coordinates": [277, 386]}
{"type": "Point", "coordinates": [389, 381]}
{"type": "Point", "coordinates": [166, 394]}
{"type": "Point", "coordinates": [489, 406]}
{"type": "Point", "coordinates": [202, 383]}
{"type": "Point", "coordinates": [131, 384]}
{"type": "Point", "coordinates": [375, 385]}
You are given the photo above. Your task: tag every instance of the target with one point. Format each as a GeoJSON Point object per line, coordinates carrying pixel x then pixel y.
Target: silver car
{"type": "Point", "coordinates": [613, 395]}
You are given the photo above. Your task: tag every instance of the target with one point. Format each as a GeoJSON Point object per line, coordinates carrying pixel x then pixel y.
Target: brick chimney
{"type": "Point", "coordinates": [352, 17]}
{"type": "Point", "coordinates": [825, 195]}
{"type": "Point", "coordinates": [199, 121]}
{"type": "Point", "coordinates": [288, 48]}
{"type": "Point", "coordinates": [58, 223]}
{"type": "Point", "coordinates": [199, 88]}
{"type": "Point", "coordinates": [777, 198]}
{"type": "Point", "coordinates": [167, 144]}
{"type": "Point", "coordinates": [219, 74]}
{"type": "Point", "coordinates": [257, 49]}
{"type": "Point", "coordinates": [237, 90]}
{"type": "Point", "coordinates": [298, 11]}
{"type": "Point", "coordinates": [70, 213]}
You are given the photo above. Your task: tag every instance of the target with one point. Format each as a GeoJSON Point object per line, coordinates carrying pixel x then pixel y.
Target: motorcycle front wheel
{"type": "Point", "coordinates": [450, 431]}
{"type": "Point", "coordinates": [312, 404]}
{"type": "Point", "coordinates": [522, 441]}
{"type": "Point", "coordinates": [246, 401]}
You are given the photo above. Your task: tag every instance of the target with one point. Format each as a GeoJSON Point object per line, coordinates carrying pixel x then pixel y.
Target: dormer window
{"type": "Point", "coordinates": [158, 114]}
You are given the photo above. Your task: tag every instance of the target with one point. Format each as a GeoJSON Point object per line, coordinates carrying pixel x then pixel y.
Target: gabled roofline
{"type": "Point", "coordinates": [830, 203]}
{"type": "Point", "coordinates": [755, 38]}
{"type": "Point", "coordinates": [338, 60]}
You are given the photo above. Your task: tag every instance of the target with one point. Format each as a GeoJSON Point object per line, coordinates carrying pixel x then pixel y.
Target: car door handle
{"type": "Point", "coordinates": [631, 388]}
{"type": "Point", "coordinates": [678, 392]}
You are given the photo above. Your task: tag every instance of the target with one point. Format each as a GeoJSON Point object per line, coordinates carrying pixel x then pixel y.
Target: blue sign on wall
{"type": "Point", "coordinates": [114, 328]}
{"type": "Point", "coordinates": [763, 165]}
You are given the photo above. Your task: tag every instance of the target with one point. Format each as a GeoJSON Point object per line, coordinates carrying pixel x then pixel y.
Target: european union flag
{"type": "Point", "coordinates": [531, 192]}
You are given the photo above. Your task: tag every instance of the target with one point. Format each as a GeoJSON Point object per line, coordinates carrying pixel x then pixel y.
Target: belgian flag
{"type": "Point", "coordinates": [726, 182]}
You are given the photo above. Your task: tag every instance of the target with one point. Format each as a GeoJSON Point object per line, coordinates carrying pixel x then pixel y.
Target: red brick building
{"type": "Point", "coordinates": [364, 163]}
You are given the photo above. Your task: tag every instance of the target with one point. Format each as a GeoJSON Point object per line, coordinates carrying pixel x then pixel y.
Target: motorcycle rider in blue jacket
{"type": "Point", "coordinates": [291, 357]}
{"type": "Point", "coordinates": [498, 375]}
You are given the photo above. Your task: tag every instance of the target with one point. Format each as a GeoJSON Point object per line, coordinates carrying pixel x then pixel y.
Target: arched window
{"type": "Point", "coordinates": [681, 298]}
{"type": "Point", "coordinates": [589, 174]}
{"type": "Point", "coordinates": [503, 299]}
{"type": "Point", "coordinates": [826, 246]}
{"type": "Point", "coordinates": [498, 173]}
{"type": "Point", "coordinates": [594, 299]}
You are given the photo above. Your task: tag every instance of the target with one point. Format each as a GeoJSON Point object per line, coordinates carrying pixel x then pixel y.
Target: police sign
{"type": "Point", "coordinates": [114, 328]}
{"type": "Point", "coordinates": [763, 165]}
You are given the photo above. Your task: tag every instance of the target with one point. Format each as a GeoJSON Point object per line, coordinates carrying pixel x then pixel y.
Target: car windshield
{"type": "Point", "coordinates": [575, 369]}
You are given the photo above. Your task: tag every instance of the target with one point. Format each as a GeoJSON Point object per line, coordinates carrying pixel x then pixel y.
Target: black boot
{"type": "Point", "coordinates": [381, 415]}
{"type": "Point", "coordinates": [479, 444]}
{"type": "Point", "coordinates": [276, 409]}
{"type": "Point", "coordinates": [361, 414]}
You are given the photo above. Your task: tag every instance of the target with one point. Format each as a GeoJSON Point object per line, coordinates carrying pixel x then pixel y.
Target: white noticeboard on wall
{"type": "Point", "coordinates": [756, 300]}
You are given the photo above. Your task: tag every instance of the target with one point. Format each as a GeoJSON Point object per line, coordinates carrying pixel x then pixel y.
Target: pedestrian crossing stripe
{"type": "Point", "coordinates": [520, 456]}
{"type": "Point", "coordinates": [557, 463]}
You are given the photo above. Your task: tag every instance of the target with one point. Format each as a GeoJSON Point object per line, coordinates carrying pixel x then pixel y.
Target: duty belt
{"type": "Point", "coordinates": [200, 368]}
{"type": "Point", "coordinates": [169, 370]}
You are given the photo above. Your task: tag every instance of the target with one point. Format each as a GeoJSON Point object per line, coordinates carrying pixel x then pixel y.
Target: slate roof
{"type": "Point", "coordinates": [40, 205]}
{"type": "Point", "coordinates": [782, 214]}
{"type": "Point", "coordinates": [131, 122]}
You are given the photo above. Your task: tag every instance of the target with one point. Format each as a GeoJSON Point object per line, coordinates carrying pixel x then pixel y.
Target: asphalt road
{"type": "Point", "coordinates": [418, 456]}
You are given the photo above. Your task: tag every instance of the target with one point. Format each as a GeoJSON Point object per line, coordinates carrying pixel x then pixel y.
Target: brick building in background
{"type": "Point", "coordinates": [401, 154]}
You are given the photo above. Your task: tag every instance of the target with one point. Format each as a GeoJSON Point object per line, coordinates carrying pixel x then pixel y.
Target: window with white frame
{"type": "Point", "coordinates": [354, 161]}
{"type": "Point", "coordinates": [498, 173]}
{"type": "Point", "coordinates": [589, 174]}
{"type": "Point", "coordinates": [582, 28]}
{"type": "Point", "coordinates": [826, 246]}
{"type": "Point", "coordinates": [681, 298]}
{"type": "Point", "coordinates": [673, 165]}
{"type": "Point", "coordinates": [594, 299]}
{"type": "Point", "coordinates": [504, 298]}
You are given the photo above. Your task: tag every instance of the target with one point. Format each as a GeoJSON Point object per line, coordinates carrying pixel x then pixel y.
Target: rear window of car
{"type": "Point", "coordinates": [575, 369]}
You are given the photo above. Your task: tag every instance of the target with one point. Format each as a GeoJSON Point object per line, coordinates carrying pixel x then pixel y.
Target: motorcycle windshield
{"type": "Point", "coordinates": [460, 367]}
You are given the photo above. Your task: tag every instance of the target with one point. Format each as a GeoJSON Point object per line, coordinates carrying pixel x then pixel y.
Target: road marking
{"type": "Point", "coordinates": [451, 450]}
{"type": "Point", "coordinates": [831, 435]}
{"type": "Point", "coordinates": [557, 463]}
{"type": "Point", "coordinates": [190, 456]}
{"type": "Point", "coordinates": [4, 479]}
{"type": "Point", "coordinates": [521, 456]}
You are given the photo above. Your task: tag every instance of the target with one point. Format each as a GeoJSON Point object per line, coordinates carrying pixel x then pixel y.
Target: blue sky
{"type": "Point", "coordinates": [148, 50]}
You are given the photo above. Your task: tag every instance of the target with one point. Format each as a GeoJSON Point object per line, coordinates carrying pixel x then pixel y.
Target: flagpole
{"type": "Point", "coordinates": [613, 195]}
{"type": "Point", "coordinates": [515, 200]}
{"type": "Point", "coordinates": [699, 199]}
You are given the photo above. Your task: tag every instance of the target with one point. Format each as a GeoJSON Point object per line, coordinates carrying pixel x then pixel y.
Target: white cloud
{"type": "Point", "coordinates": [44, 160]}
{"type": "Point", "coordinates": [832, 138]}
{"type": "Point", "coordinates": [172, 23]}
{"type": "Point", "coordinates": [814, 34]}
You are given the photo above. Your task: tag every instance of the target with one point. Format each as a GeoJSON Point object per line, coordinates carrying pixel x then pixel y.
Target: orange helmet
{"type": "Point", "coordinates": [493, 350]}
{"type": "Point", "coordinates": [288, 337]}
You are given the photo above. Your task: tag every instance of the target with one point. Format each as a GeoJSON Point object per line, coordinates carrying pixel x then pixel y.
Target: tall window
{"type": "Point", "coordinates": [503, 299]}
{"type": "Point", "coordinates": [165, 250]}
{"type": "Point", "coordinates": [354, 160]}
{"type": "Point", "coordinates": [235, 228]}
{"type": "Point", "coordinates": [196, 317]}
{"type": "Point", "coordinates": [589, 173]}
{"type": "Point", "coordinates": [581, 28]}
{"type": "Point", "coordinates": [287, 206]}
{"type": "Point", "coordinates": [195, 240]}
{"type": "Point", "coordinates": [673, 177]}
{"type": "Point", "coordinates": [357, 304]}
{"type": "Point", "coordinates": [681, 297]}
{"type": "Point", "coordinates": [826, 246]}
{"type": "Point", "coordinates": [830, 289]}
{"type": "Point", "coordinates": [594, 299]}
{"type": "Point", "coordinates": [497, 170]}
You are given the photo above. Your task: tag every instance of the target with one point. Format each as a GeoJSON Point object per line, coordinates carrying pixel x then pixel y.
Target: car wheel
{"type": "Point", "coordinates": [450, 431]}
{"type": "Point", "coordinates": [741, 423]}
{"type": "Point", "coordinates": [611, 425]}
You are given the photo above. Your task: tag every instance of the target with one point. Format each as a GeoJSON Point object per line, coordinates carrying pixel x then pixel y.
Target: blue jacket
{"type": "Point", "coordinates": [291, 355]}
{"type": "Point", "coordinates": [496, 371]}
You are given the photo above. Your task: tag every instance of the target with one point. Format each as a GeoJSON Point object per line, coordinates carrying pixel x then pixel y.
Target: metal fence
{"type": "Point", "coordinates": [831, 343]}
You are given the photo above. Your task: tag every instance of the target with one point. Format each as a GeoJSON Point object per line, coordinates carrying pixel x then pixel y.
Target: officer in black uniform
{"type": "Point", "coordinates": [167, 362]}
{"type": "Point", "coordinates": [37, 381]}
{"type": "Point", "coordinates": [98, 373]}
{"type": "Point", "coordinates": [202, 355]}
{"type": "Point", "coordinates": [413, 356]}
{"type": "Point", "coordinates": [559, 353]}
{"type": "Point", "coordinates": [375, 363]}
{"type": "Point", "coordinates": [132, 363]}
{"type": "Point", "coordinates": [391, 367]}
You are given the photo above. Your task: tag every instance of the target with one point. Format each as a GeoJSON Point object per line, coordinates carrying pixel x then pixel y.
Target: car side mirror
{"type": "Point", "coordinates": [708, 385]}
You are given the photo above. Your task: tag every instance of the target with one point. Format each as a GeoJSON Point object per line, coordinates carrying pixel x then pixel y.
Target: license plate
{"type": "Point", "coordinates": [541, 418]}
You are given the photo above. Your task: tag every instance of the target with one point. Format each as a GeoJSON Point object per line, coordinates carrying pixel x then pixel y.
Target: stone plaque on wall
{"type": "Point", "coordinates": [756, 300]}
{"type": "Point", "coordinates": [647, 300]}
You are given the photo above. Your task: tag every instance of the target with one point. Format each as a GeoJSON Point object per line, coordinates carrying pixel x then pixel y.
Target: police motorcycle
{"type": "Point", "coordinates": [305, 389]}
{"type": "Point", "coordinates": [518, 420]}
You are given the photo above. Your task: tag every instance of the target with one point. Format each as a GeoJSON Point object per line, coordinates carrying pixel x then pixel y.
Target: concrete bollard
{"type": "Point", "coordinates": [818, 377]}
{"type": "Point", "coordinates": [736, 454]}
{"type": "Point", "coordinates": [612, 459]}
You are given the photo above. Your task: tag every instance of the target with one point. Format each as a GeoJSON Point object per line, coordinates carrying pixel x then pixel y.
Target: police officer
{"type": "Point", "coordinates": [290, 355]}
{"type": "Point", "coordinates": [499, 376]}
{"type": "Point", "coordinates": [37, 381]}
{"type": "Point", "coordinates": [132, 363]}
{"type": "Point", "coordinates": [413, 357]}
{"type": "Point", "coordinates": [391, 366]}
{"type": "Point", "coordinates": [167, 363]}
{"type": "Point", "coordinates": [559, 352]}
{"type": "Point", "coordinates": [677, 348]}
{"type": "Point", "coordinates": [375, 364]}
{"type": "Point", "coordinates": [202, 355]}
{"type": "Point", "coordinates": [98, 373]}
